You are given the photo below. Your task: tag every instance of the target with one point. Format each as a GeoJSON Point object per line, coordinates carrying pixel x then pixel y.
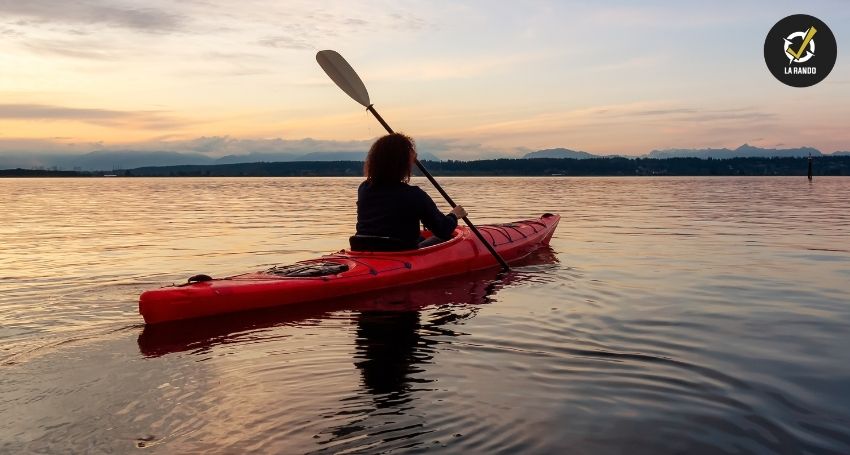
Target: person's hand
{"type": "Point", "coordinates": [459, 211]}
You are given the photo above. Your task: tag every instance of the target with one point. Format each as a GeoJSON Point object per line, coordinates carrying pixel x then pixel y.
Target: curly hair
{"type": "Point", "coordinates": [390, 159]}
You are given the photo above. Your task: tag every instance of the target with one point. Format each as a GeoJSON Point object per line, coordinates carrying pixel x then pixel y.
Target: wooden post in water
{"type": "Point", "coordinates": [810, 166]}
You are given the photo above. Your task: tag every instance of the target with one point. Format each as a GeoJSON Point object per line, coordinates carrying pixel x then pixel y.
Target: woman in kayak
{"type": "Point", "coordinates": [390, 208]}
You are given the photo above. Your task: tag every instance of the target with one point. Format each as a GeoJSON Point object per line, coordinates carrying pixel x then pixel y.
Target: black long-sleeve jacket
{"type": "Point", "coordinates": [395, 210]}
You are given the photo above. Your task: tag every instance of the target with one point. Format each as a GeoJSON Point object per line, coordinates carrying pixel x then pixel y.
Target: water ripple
{"type": "Point", "coordinates": [671, 315]}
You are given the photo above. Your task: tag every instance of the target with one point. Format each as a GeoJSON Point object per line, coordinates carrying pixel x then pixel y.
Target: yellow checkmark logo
{"type": "Point", "coordinates": [799, 52]}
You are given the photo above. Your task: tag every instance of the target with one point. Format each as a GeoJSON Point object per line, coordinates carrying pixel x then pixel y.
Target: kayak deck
{"type": "Point", "coordinates": [363, 272]}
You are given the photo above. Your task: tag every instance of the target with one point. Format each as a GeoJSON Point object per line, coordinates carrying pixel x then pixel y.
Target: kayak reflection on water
{"type": "Point", "coordinates": [389, 346]}
{"type": "Point", "coordinates": [395, 346]}
{"type": "Point", "coordinates": [460, 296]}
{"type": "Point", "coordinates": [399, 335]}
{"type": "Point", "coordinates": [391, 343]}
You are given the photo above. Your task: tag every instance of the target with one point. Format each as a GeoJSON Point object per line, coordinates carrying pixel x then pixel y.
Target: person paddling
{"type": "Point", "coordinates": [389, 210]}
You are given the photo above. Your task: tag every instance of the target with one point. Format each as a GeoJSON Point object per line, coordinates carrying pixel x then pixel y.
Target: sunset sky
{"type": "Point", "coordinates": [467, 79]}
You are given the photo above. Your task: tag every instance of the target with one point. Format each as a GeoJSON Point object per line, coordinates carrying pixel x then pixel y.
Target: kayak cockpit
{"type": "Point", "coordinates": [384, 245]}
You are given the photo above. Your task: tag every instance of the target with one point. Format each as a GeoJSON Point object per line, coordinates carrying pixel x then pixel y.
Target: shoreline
{"type": "Point", "coordinates": [538, 167]}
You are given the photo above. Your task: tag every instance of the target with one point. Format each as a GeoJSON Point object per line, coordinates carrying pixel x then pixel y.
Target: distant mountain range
{"type": "Point", "coordinates": [612, 166]}
{"type": "Point", "coordinates": [744, 151]}
{"type": "Point", "coordinates": [559, 153]}
{"type": "Point", "coordinates": [104, 160]}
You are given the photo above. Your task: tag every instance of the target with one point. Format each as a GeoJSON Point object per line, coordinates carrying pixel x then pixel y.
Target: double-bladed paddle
{"type": "Point", "coordinates": [347, 79]}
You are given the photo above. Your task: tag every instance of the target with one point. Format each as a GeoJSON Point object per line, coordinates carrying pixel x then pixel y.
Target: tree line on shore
{"type": "Point", "coordinates": [610, 166]}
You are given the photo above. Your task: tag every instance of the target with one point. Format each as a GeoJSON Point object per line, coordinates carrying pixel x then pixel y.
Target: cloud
{"type": "Point", "coordinates": [219, 146]}
{"type": "Point", "coordinates": [16, 147]}
{"type": "Point", "coordinates": [98, 30]}
{"type": "Point", "coordinates": [652, 112]}
{"type": "Point", "coordinates": [287, 42]}
{"type": "Point", "coordinates": [666, 16]}
{"type": "Point", "coordinates": [214, 146]}
{"type": "Point", "coordinates": [72, 49]}
{"type": "Point", "coordinates": [311, 30]}
{"type": "Point", "coordinates": [689, 114]}
{"type": "Point", "coordinates": [102, 117]}
{"type": "Point", "coordinates": [457, 67]}
{"type": "Point", "coordinates": [86, 29]}
{"type": "Point", "coordinates": [91, 12]}
{"type": "Point", "coordinates": [228, 64]}
{"type": "Point", "coordinates": [402, 21]}
{"type": "Point", "coordinates": [226, 145]}
{"type": "Point", "coordinates": [639, 127]}
{"type": "Point", "coordinates": [8, 32]}
{"type": "Point", "coordinates": [464, 149]}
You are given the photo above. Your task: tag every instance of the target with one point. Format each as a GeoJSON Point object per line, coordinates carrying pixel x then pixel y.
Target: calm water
{"type": "Point", "coordinates": [689, 315]}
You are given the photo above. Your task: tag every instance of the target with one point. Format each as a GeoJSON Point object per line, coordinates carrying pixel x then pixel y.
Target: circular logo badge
{"type": "Point", "coordinates": [800, 50]}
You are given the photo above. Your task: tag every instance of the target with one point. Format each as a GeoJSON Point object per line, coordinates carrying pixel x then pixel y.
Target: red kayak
{"type": "Point", "coordinates": [345, 273]}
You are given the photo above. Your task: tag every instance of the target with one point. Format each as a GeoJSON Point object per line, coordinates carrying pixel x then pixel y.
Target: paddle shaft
{"type": "Point", "coordinates": [445, 195]}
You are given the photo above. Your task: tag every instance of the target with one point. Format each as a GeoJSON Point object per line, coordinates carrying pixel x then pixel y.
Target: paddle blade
{"type": "Point", "coordinates": [343, 75]}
